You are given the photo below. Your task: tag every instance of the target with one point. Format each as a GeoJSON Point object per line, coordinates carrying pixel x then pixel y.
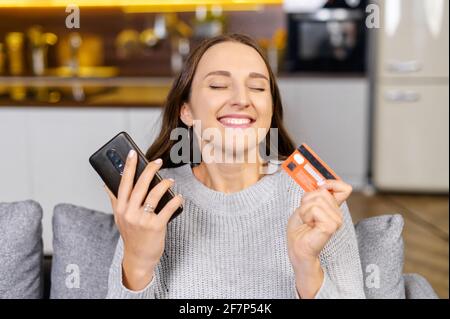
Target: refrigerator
{"type": "Point", "coordinates": [411, 97]}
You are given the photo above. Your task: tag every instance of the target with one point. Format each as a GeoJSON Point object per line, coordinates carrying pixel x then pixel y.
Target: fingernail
{"type": "Point", "coordinates": [158, 161]}
{"type": "Point", "coordinates": [171, 179]}
{"type": "Point", "coordinates": [131, 153]}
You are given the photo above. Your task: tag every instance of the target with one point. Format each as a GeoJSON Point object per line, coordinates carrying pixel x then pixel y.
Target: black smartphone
{"type": "Point", "coordinates": [109, 163]}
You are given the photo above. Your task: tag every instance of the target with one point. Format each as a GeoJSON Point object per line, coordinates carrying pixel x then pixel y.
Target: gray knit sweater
{"type": "Point", "coordinates": [235, 246]}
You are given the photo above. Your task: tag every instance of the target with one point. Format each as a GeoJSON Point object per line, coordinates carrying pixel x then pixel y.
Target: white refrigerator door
{"type": "Point", "coordinates": [411, 146]}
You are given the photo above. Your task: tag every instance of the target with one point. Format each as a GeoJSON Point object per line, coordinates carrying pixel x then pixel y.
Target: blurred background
{"type": "Point", "coordinates": [364, 83]}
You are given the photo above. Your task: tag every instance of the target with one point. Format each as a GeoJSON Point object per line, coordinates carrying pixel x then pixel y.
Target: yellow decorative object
{"type": "Point", "coordinates": [15, 49]}
{"type": "Point", "coordinates": [153, 5]}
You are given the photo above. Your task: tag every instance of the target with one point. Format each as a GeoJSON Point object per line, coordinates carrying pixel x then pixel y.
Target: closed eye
{"type": "Point", "coordinates": [218, 86]}
{"type": "Point", "coordinates": [258, 89]}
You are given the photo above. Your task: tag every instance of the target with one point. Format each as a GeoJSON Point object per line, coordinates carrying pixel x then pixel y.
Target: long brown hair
{"type": "Point", "coordinates": [180, 93]}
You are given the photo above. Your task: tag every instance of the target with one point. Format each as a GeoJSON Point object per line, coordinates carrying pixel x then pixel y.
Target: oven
{"type": "Point", "coordinates": [331, 38]}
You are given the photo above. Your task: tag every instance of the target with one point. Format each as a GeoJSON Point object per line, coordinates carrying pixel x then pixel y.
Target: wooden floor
{"type": "Point", "coordinates": [425, 233]}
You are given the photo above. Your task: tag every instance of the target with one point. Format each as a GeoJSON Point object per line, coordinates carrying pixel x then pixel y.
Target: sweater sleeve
{"type": "Point", "coordinates": [116, 289]}
{"type": "Point", "coordinates": [326, 291]}
{"type": "Point", "coordinates": [341, 264]}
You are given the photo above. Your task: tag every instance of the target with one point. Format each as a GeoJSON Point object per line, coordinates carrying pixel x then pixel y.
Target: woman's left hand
{"type": "Point", "coordinates": [311, 226]}
{"type": "Point", "coordinates": [339, 189]}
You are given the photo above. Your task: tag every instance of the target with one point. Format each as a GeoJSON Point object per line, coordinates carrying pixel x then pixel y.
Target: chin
{"type": "Point", "coordinates": [247, 153]}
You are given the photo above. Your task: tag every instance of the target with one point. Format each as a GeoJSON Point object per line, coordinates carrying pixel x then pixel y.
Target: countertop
{"type": "Point", "coordinates": [29, 91]}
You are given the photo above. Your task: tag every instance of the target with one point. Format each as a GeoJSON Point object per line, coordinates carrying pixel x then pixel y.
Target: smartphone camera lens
{"type": "Point", "coordinates": [111, 154]}
{"type": "Point", "coordinates": [115, 160]}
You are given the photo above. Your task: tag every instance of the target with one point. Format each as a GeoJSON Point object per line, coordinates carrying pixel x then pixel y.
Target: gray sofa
{"type": "Point", "coordinates": [84, 241]}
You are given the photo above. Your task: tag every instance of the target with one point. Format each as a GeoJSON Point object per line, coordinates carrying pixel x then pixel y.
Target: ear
{"type": "Point", "coordinates": [186, 114]}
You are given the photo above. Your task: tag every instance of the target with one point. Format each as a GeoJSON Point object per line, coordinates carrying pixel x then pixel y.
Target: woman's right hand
{"type": "Point", "coordinates": [143, 233]}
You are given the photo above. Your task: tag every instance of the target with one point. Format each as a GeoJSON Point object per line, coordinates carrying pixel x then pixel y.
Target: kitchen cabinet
{"type": "Point", "coordinates": [61, 142]}
{"type": "Point", "coordinates": [14, 155]}
{"type": "Point", "coordinates": [331, 115]}
{"type": "Point", "coordinates": [47, 152]}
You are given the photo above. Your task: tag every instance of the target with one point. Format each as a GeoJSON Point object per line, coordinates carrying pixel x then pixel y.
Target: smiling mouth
{"type": "Point", "coordinates": [236, 121]}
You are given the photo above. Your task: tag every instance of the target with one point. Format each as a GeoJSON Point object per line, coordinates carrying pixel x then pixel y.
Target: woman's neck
{"type": "Point", "coordinates": [228, 178]}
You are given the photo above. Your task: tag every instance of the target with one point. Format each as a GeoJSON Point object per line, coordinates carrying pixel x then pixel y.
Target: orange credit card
{"type": "Point", "coordinates": [307, 169]}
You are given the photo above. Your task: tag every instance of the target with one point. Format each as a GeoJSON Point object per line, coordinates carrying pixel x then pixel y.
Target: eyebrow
{"type": "Point", "coordinates": [226, 73]}
{"type": "Point", "coordinates": [258, 75]}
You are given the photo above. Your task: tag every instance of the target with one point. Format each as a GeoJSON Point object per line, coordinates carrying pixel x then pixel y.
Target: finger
{"type": "Point", "coordinates": [339, 189]}
{"type": "Point", "coordinates": [294, 221]}
{"type": "Point", "coordinates": [297, 232]}
{"type": "Point", "coordinates": [303, 209]}
{"type": "Point", "coordinates": [337, 186]}
{"type": "Point", "coordinates": [317, 216]}
{"type": "Point", "coordinates": [141, 188]}
{"type": "Point", "coordinates": [313, 214]}
{"type": "Point", "coordinates": [111, 196]}
{"type": "Point", "coordinates": [155, 195]}
{"type": "Point", "coordinates": [166, 213]}
{"type": "Point", "coordinates": [311, 196]}
{"type": "Point", "coordinates": [330, 208]}
{"type": "Point", "coordinates": [332, 211]}
{"type": "Point", "coordinates": [126, 182]}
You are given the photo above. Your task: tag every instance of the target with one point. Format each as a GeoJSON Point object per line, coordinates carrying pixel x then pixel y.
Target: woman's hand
{"type": "Point", "coordinates": [309, 229]}
{"type": "Point", "coordinates": [339, 189]}
{"type": "Point", "coordinates": [143, 233]}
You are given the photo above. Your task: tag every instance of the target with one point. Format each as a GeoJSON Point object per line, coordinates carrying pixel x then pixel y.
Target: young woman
{"type": "Point", "coordinates": [243, 233]}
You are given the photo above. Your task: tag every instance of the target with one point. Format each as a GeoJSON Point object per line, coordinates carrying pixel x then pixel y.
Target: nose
{"type": "Point", "coordinates": [240, 97]}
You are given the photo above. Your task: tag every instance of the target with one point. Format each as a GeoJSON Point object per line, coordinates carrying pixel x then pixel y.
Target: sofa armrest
{"type": "Point", "coordinates": [417, 287]}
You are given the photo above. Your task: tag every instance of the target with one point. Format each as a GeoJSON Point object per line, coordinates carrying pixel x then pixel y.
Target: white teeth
{"type": "Point", "coordinates": [235, 121]}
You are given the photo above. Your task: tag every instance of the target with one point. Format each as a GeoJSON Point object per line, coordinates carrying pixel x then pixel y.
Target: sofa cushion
{"type": "Point", "coordinates": [84, 242]}
{"type": "Point", "coordinates": [417, 287]}
{"type": "Point", "coordinates": [21, 251]}
{"type": "Point", "coordinates": [381, 250]}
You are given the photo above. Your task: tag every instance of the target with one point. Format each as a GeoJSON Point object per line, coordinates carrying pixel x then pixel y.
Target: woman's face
{"type": "Point", "coordinates": [230, 95]}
